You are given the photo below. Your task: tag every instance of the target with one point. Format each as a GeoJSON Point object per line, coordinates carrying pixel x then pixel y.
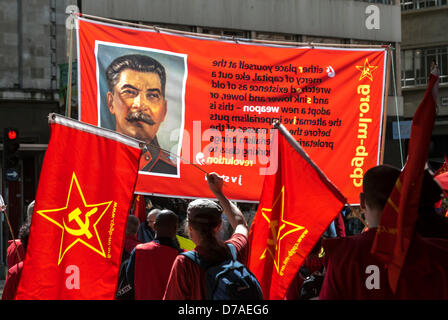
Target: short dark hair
{"type": "Point", "coordinates": [166, 223]}
{"type": "Point", "coordinates": [136, 62]}
{"type": "Point", "coordinates": [132, 225]}
{"type": "Point", "coordinates": [378, 184]}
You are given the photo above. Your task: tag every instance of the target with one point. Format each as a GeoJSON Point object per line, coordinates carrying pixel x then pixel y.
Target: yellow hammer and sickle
{"type": "Point", "coordinates": [83, 225]}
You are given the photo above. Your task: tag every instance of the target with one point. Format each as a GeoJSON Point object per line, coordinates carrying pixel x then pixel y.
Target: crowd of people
{"type": "Point", "coordinates": [157, 263]}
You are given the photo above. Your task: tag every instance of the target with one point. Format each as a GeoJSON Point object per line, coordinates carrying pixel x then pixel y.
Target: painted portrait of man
{"type": "Point", "coordinates": [137, 105]}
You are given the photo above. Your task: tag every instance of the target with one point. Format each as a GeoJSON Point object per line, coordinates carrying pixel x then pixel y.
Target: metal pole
{"type": "Point", "coordinates": [69, 81]}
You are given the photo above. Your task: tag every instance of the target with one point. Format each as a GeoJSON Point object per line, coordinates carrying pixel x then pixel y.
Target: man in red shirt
{"type": "Point", "coordinates": [187, 279]}
{"type": "Point", "coordinates": [353, 273]}
{"type": "Point", "coordinates": [150, 263]}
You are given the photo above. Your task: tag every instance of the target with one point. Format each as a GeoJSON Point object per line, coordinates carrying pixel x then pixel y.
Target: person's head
{"type": "Point", "coordinates": [151, 217]}
{"type": "Point", "coordinates": [136, 95]}
{"type": "Point", "coordinates": [132, 226]}
{"type": "Point", "coordinates": [203, 220]}
{"type": "Point", "coordinates": [378, 184]}
{"type": "Point", "coordinates": [24, 234]}
{"type": "Point", "coordinates": [166, 224]}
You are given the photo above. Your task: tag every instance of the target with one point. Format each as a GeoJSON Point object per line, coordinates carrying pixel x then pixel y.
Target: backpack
{"type": "Point", "coordinates": [124, 289]}
{"type": "Point", "coordinates": [229, 280]}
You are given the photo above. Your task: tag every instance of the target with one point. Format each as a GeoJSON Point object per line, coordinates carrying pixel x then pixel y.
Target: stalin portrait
{"type": "Point", "coordinates": [136, 98]}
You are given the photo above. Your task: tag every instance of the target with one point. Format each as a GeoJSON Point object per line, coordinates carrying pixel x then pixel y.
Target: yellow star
{"type": "Point", "coordinates": [75, 221]}
{"type": "Point", "coordinates": [366, 70]}
{"type": "Point", "coordinates": [274, 246]}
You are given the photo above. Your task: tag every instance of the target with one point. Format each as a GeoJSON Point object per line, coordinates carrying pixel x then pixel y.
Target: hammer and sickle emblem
{"type": "Point", "coordinates": [83, 225]}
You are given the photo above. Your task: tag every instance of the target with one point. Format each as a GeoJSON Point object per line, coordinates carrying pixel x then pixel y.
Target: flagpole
{"type": "Point", "coordinates": [386, 94]}
{"type": "Point", "coordinates": [12, 235]}
{"type": "Point", "coordinates": [296, 146]}
{"type": "Point", "coordinates": [70, 68]}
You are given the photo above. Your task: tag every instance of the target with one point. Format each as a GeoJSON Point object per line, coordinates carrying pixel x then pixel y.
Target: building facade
{"type": "Point", "coordinates": [424, 39]}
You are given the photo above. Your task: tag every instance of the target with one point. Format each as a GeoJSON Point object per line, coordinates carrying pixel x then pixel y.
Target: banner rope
{"type": "Point", "coordinates": [396, 106]}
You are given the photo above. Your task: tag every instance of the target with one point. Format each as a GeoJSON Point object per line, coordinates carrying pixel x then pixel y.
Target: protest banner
{"type": "Point", "coordinates": [216, 100]}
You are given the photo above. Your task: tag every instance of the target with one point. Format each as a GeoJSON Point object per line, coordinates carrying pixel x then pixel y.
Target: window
{"type": "Point", "coordinates": [421, 4]}
{"type": "Point", "coordinates": [415, 64]}
{"type": "Point", "coordinates": [379, 1]}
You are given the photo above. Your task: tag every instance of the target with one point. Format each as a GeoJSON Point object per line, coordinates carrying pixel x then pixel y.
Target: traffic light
{"type": "Point", "coordinates": [11, 148]}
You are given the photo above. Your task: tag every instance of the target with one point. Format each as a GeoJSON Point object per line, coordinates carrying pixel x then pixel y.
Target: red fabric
{"type": "Point", "coordinates": [400, 214]}
{"type": "Point", "coordinates": [11, 254]}
{"type": "Point", "coordinates": [140, 208]}
{"type": "Point", "coordinates": [187, 279]}
{"type": "Point", "coordinates": [336, 152]}
{"type": "Point", "coordinates": [82, 205]}
{"type": "Point", "coordinates": [153, 264]}
{"type": "Point", "coordinates": [297, 205]}
{"type": "Point", "coordinates": [443, 168]}
{"type": "Point", "coordinates": [339, 225]}
{"type": "Point", "coordinates": [442, 179]}
{"type": "Point", "coordinates": [12, 281]}
{"type": "Point", "coordinates": [424, 274]}
{"type": "Point", "coordinates": [130, 242]}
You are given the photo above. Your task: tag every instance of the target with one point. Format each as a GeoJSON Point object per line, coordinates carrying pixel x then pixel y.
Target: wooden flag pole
{"type": "Point", "coordinates": [12, 234]}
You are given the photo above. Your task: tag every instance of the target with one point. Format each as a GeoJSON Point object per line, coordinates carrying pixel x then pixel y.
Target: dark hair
{"type": "Point", "coordinates": [204, 216]}
{"type": "Point", "coordinates": [377, 185]}
{"type": "Point", "coordinates": [379, 182]}
{"type": "Point", "coordinates": [24, 234]}
{"type": "Point", "coordinates": [132, 225]}
{"type": "Point", "coordinates": [166, 223]}
{"type": "Point", "coordinates": [136, 62]}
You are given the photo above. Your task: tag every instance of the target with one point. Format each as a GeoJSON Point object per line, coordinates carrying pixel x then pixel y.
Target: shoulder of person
{"type": "Point", "coordinates": [348, 245]}
{"type": "Point", "coordinates": [146, 245]}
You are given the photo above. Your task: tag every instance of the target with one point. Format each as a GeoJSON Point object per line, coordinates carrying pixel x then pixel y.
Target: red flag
{"type": "Point", "coordinates": [400, 214]}
{"type": "Point", "coordinates": [82, 203]}
{"type": "Point", "coordinates": [297, 204]}
{"type": "Point", "coordinates": [442, 169]}
{"type": "Point", "coordinates": [140, 208]}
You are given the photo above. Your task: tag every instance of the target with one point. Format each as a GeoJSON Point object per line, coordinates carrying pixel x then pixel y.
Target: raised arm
{"type": "Point", "coordinates": [234, 215]}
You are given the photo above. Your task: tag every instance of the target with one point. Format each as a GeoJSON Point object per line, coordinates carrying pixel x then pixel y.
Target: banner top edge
{"type": "Point", "coordinates": [237, 40]}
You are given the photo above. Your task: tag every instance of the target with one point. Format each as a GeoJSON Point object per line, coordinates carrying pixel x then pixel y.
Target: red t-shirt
{"type": "Point", "coordinates": [424, 274]}
{"type": "Point", "coordinates": [11, 254]}
{"type": "Point", "coordinates": [12, 281]}
{"type": "Point", "coordinates": [153, 263]}
{"type": "Point", "coordinates": [130, 242]}
{"type": "Point", "coordinates": [187, 279]}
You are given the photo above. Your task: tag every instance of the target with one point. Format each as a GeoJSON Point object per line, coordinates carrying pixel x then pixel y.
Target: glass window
{"type": "Point", "coordinates": [415, 65]}
{"type": "Point", "coordinates": [421, 4]}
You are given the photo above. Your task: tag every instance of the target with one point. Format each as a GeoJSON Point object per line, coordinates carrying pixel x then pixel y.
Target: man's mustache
{"type": "Point", "coordinates": [140, 116]}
